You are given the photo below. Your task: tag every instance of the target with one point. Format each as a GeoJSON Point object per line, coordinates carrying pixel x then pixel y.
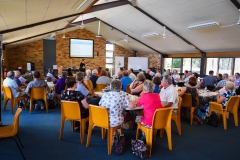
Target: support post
{"type": "Point", "coordinates": [203, 64]}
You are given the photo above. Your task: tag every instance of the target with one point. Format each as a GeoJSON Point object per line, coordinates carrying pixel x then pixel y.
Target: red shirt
{"type": "Point", "coordinates": [150, 102]}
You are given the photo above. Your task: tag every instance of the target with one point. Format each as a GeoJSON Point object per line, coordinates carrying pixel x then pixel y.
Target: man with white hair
{"type": "Point", "coordinates": [222, 82]}
{"type": "Point", "coordinates": [94, 78]}
{"type": "Point", "coordinates": [16, 79]}
{"type": "Point", "coordinates": [88, 74]}
{"type": "Point", "coordinates": [158, 74]}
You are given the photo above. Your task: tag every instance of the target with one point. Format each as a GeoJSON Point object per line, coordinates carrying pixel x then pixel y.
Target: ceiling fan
{"type": "Point", "coordinates": [99, 35]}
{"type": "Point", "coordinates": [238, 23]}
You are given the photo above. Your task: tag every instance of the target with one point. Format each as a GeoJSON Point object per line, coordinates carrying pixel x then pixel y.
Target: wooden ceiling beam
{"type": "Point", "coordinates": [236, 3]}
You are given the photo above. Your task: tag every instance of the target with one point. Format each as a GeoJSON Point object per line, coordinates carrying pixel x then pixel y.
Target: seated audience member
{"type": "Point", "coordinates": [72, 95]}
{"type": "Point", "coordinates": [168, 94]}
{"type": "Point", "coordinates": [104, 79]}
{"type": "Point", "coordinates": [158, 75]}
{"type": "Point", "coordinates": [49, 82]}
{"type": "Point", "coordinates": [140, 71]}
{"type": "Point", "coordinates": [237, 80]}
{"type": "Point", "coordinates": [137, 85]}
{"type": "Point", "coordinates": [222, 83]}
{"type": "Point", "coordinates": [164, 72]}
{"type": "Point", "coordinates": [147, 74]}
{"type": "Point", "coordinates": [16, 90]}
{"type": "Point", "coordinates": [35, 84]}
{"type": "Point", "coordinates": [88, 74]}
{"type": "Point", "coordinates": [50, 74]}
{"type": "Point", "coordinates": [175, 76]}
{"type": "Point", "coordinates": [115, 101]}
{"type": "Point", "coordinates": [131, 74]}
{"type": "Point", "coordinates": [186, 78]}
{"type": "Point", "coordinates": [99, 71]}
{"type": "Point", "coordinates": [195, 75]}
{"type": "Point", "coordinates": [120, 73]}
{"type": "Point", "coordinates": [125, 81]}
{"type": "Point", "coordinates": [22, 79]}
{"type": "Point", "coordinates": [150, 102]}
{"type": "Point", "coordinates": [152, 74]}
{"type": "Point", "coordinates": [16, 79]}
{"type": "Point", "coordinates": [191, 89]}
{"type": "Point", "coordinates": [108, 73]}
{"type": "Point", "coordinates": [209, 81]}
{"type": "Point", "coordinates": [94, 78]}
{"type": "Point", "coordinates": [61, 83]}
{"type": "Point", "coordinates": [219, 77]}
{"type": "Point", "coordinates": [81, 86]}
{"type": "Point", "coordinates": [69, 72]}
{"type": "Point", "coordinates": [157, 82]}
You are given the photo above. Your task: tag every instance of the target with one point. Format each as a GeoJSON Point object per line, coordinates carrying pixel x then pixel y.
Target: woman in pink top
{"type": "Point", "coordinates": [150, 102]}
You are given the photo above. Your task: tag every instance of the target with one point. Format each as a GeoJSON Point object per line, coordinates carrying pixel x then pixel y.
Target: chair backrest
{"type": "Point", "coordinates": [70, 110]}
{"type": "Point", "coordinates": [38, 92]}
{"type": "Point", "coordinates": [100, 86]}
{"type": "Point", "coordinates": [214, 106]}
{"type": "Point", "coordinates": [98, 115]}
{"type": "Point", "coordinates": [128, 90]}
{"type": "Point", "coordinates": [187, 100]}
{"type": "Point", "coordinates": [232, 104]}
{"type": "Point", "coordinates": [15, 123]}
{"type": "Point", "coordinates": [89, 82]}
{"type": "Point", "coordinates": [179, 106]}
{"type": "Point", "coordinates": [162, 118]}
{"type": "Point", "coordinates": [7, 92]}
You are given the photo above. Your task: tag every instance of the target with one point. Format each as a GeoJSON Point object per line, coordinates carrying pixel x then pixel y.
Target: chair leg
{"type": "Point", "coordinates": [149, 136]}
{"type": "Point", "coordinates": [169, 136]}
{"type": "Point", "coordinates": [103, 132]}
{"type": "Point", "coordinates": [137, 131]}
{"type": "Point", "coordinates": [82, 127]}
{"type": "Point", "coordinates": [12, 103]}
{"type": "Point", "coordinates": [5, 103]}
{"type": "Point", "coordinates": [111, 131]}
{"type": "Point", "coordinates": [31, 106]}
{"type": "Point", "coordinates": [19, 140]}
{"type": "Point", "coordinates": [154, 134]}
{"type": "Point", "coordinates": [191, 114]}
{"type": "Point", "coordinates": [61, 128]}
{"type": "Point", "coordinates": [224, 117]}
{"type": "Point", "coordinates": [90, 128]}
{"type": "Point", "coordinates": [46, 105]}
{"type": "Point", "coordinates": [19, 148]}
{"type": "Point", "coordinates": [72, 125]}
{"type": "Point", "coordinates": [235, 116]}
{"type": "Point", "coordinates": [178, 123]}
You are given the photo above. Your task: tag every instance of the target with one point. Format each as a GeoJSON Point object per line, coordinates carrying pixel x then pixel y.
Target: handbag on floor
{"type": "Point", "coordinates": [119, 143]}
{"type": "Point", "coordinates": [212, 120]}
{"type": "Point", "coordinates": [139, 148]}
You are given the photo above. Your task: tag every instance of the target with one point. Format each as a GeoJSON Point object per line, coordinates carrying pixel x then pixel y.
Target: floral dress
{"type": "Point", "coordinates": [71, 95]}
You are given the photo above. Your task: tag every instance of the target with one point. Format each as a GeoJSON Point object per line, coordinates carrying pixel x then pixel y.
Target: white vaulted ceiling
{"type": "Point", "coordinates": [128, 19]}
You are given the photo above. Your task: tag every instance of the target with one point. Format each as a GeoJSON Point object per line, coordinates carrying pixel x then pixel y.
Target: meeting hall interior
{"type": "Point", "coordinates": [198, 36]}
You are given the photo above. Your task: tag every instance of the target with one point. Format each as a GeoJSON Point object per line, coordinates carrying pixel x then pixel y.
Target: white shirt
{"type": "Point", "coordinates": [132, 76]}
{"type": "Point", "coordinates": [13, 85]}
{"type": "Point", "coordinates": [176, 77]}
{"type": "Point", "coordinates": [169, 94]}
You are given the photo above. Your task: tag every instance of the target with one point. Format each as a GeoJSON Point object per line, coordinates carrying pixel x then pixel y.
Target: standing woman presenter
{"type": "Point", "coordinates": [82, 66]}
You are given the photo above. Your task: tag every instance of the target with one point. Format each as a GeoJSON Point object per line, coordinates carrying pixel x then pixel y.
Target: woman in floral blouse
{"type": "Point", "coordinates": [115, 101]}
{"type": "Point", "coordinates": [224, 97]}
{"type": "Point", "coordinates": [71, 95]}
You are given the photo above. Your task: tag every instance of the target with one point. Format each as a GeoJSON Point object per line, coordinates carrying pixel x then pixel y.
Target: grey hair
{"type": "Point", "coordinates": [148, 86]}
{"type": "Point", "coordinates": [116, 85]}
{"type": "Point", "coordinates": [64, 74]}
{"type": "Point", "coordinates": [94, 72]}
{"type": "Point", "coordinates": [230, 85]}
{"type": "Point", "coordinates": [79, 76]}
{"type": "Point", "coordinates": [88, 71]}
{"type": "Point", "coordinates": [168, 79]}
{"type": "Point", "coordinates": [16, 73]}
{"type": "Point", "coordinates": [10, 74]}
{"type": "Point", "coordinates": [225, 75]}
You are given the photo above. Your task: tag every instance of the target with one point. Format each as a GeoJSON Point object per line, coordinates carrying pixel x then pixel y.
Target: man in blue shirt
{"type": "Point", "coordinates": [125, 81]}
{"type": "Point", "coordinates": [209, 81]}
{"type": "Point", "coordinates": [81, 86]}
{"type": "Point", "coordinates": [16, 79]}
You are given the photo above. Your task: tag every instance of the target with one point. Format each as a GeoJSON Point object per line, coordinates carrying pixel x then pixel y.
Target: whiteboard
{"type": "Point", "coordinates": [137, 63]}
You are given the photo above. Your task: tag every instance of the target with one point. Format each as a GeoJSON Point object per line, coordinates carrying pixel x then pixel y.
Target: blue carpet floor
{"type": "Point", "coordinates": [39, 134]}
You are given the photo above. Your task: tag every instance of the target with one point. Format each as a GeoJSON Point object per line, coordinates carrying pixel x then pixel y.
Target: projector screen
{"type": "Point", "coordinates": [81, 48]}
{"type": "Point", "coordinates": [137, 63]}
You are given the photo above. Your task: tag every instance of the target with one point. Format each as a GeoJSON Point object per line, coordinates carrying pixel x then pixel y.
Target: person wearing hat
{"type": "Point", "coordinates": [16, 91]}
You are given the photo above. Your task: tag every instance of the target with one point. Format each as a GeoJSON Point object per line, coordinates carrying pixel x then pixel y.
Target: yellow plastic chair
{"type": "Point", "coordinates": [12, 130]}
{"type": "Point", "coordinates": [89, 82]}
{"type": "Point", "coordinates": [100, 86]}
{"type": "Point", "coordinates": [98, 116]}
{"type": "Point", "coordinates": [231, 107]}
{"type": "Point", "coordinates": [128, 90]}
{"type": "Point", "coordinates": [177, 117]}
{"type": "Point", "coordinates": [38, 93]}
{"type": "Point", "coordinates": [161, 120]}
{"type": "Point", "coordinates": [8, 95]}
{"type": "Point", "coordinates": [187, 103]}
{"type": "Point", "coordinates": [71, 111]}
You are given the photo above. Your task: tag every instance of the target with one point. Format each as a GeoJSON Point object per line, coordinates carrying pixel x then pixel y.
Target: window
{"type": "Point", "coordinates": [237, 65]}
{"type": "Point", "coordinates": [186, 64]}
{"type": "Point", "coordinates": [196, 63]}
{"type": "Point", "coordinates": [176, 64]}
{"type": "Point", "coordinates": [109, 56]}
{"type": "Point", "coordinates": [212, 64]}
{"type": "Point", "coordinates": [225, 65]}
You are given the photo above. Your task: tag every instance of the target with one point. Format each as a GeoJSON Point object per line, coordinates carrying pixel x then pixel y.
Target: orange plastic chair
{"type": "Point", "coordinates": [128, 90]}
{"type": "Point", "coordinates": [37, 94]}
{"type": "Point", "coordinates": [71, 111]}
{"type": "Point", "coordinates": [8, 95]}
{"type": "Point", "coordinates": [12, 130]}
{"type": "Point", "coordinates": [100, 86]}
{"type": "Point", "coordinates": [177, 117]}
{"type": "Point", "coordinates": [98, 116]}
{"type": "Point", "coordinates": [231, 107]}
{"type": "Point", "coordinates": [89, 82]}
{"type": "Point", "coordinates": [187, 103]}
{"type": "Point", "coordinates": [161, 120]}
